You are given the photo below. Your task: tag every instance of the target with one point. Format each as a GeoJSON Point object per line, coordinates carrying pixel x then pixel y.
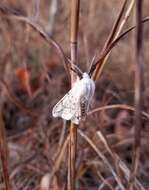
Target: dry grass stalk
{"type": "Point", "coordinates": [100, 62]}
{"type": "Point", "coordinates": [75, 5]}
{"type": "Point", "coordinates": [59, 159]}
{"type": "Point", "coordinates": [116, 31]}
{"type": "Point", "coordinates": [11, 14]}
{"type": "Point", "coordinates": [4, 154]}
{"type": "Point", "coordinates": [105, 182]}
{"type": "Point", "coordinates": [52, 15]}
{"type": "Point", "coordinates": [139, 89]}
{"type": "Point", "coordinates": [114, 42]}
{"type": "Point", "coordinates": [117, 106]}
{"type": "Point", "coordinates": [36, 9]}
{"type": "Point", "coordinates": [110, 37]}
{"type": "Point", "coordinates": [117, 159]}
{"type": "Point", "coordinates": [103, 158]}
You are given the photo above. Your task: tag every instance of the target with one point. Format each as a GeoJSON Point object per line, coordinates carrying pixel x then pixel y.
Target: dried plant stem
{"type": "Point", "coordinates": [139, 89]}
{"type": "Point", "coordinates": [105, 182]}
{"type": "Point", "coordinates": [109, 39]}
{"type": "Point", "coordinates": [117, 106]}
{"type": "Point", "coordinates": [75, 5]}
{"type": "Point", "coordinates": [4, 154]}
{"type": "Point", "coordinates": [52, 16]}
{"type": "Point", "coordinates": [115, 26]}
{"type": "Point", "coordinates": [101, 156]}
{"type": "Point", "coordinates": [115, 41]}
{"type": "Point", "coordinates": [72, 157]}
{"type": "Point", "coordinates": [117, 159]}
{"type": "Point", "coordinates": [100, 67]}
{"type": "Point", "coordinates": [59, 158]}
{"type": "Point", "coordinates": [36, 9]}
{"type": "Point", "coordinates": [108, 49]}
{"type": "Point", "coordinates": [11, 14]}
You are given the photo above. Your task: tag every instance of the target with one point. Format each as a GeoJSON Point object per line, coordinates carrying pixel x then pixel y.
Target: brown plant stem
{"type": "Point", "coordinates": [139, 89]}
{"type": "Point", "coordinates": [112, 45]}
{"type": "Point", "coordinates": [118, 160]}
{"type": "Point", "coordinates": [75, 5]}
{"type": "Point", "coordinates": [4, 154]}
{"type": "Point", "coordinates": [13, 15]}
{"type": "Point", "coordinates": [117, 106]}
{"type": "Point", "coordinates": [103, 158]}
{"type": "Point", "coordinates": [118, 26]}
{"type": "Point", "coordinates": [112, 33]}
{"type": "Point", "coordinates": [59, 159]}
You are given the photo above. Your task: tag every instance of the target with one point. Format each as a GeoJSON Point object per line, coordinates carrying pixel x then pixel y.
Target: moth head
{"type": "Point", "coordinates": [85, 75]}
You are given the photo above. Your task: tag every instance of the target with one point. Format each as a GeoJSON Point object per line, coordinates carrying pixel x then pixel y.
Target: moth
{"type": "Point", "coordinates": [75, 104]}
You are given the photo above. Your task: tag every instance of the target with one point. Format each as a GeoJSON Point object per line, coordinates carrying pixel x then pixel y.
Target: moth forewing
{"type": "Point", "coordinates": [75, 104]}
{"type": "Point", "coordinates": [65, 108]}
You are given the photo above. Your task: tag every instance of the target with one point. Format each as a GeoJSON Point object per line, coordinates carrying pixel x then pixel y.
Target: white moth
{"type": "Point", "coordinates": [75, 104]}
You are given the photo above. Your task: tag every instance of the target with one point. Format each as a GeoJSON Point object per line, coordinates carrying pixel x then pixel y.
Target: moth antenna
{"type": "Point", "coordinates": [75, 68]}
{"type": "Point", "coordinates": [77, 72]}
{"type": "Point", "coordinates": [91, 64]}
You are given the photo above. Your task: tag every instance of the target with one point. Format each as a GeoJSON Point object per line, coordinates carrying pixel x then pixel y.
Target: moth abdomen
{"type": "Point", "coordinates": [83, 108]}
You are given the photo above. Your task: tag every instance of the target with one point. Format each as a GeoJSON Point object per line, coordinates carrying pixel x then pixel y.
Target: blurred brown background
{"type": "Point", "coordinates": [35, 80]}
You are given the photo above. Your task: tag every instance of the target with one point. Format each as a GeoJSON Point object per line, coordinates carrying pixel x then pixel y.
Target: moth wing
{"type": "Point", "coordinates": [66, 107]}
{"type": "Point", "coordinates": [77, 116]}
{"type": "Point", "coordinates": [89, 87]}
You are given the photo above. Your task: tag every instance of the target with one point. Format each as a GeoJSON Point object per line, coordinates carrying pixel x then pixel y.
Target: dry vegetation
{"type": "Point", "coordinates": [33, 79]}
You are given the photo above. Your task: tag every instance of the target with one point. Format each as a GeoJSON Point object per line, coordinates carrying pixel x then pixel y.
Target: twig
{"type": "Point", "coordinates": [59, 159]}
{"type": "Point", "coordinates": [11, 14]}
{"type": "Point", "coordinates": [112, 33]}
{"type": "Point", "coordinates": [52, 14]}
{"type": "Point", "coordinates": [117, 106]}
{"type": "Point", "coordinates": [104, 159]}
{"type": "Point", "coordinates": [36, 9]}
{"type": "Point", "coordinates": [62, 135]}
{"type": "Point", "coordinates": [139, 89]}
{"type": "Point", "coordinates": [105, 182]}
{"type": "Point", "coordinates": [115, 26]}
{"type": "Point", "coordinates": [4, 153]}
{"type": "Point", "coordinates": [113, 44]}
{"type": "Point", "coordinates": [117, 159]}
{"type": "Point", "coordinates": [75, 5]}
{"type": "Point", "coordinates": [97, 67]}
